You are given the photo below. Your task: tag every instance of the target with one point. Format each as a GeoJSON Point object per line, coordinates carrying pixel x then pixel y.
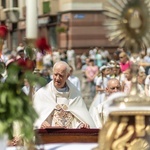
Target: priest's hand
{"type": "Point", "coordinates": [45, 124]}
{"type": "Point", "coordinates": [83, 126]}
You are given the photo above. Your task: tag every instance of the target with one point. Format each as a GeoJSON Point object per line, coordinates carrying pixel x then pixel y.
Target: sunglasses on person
{"type": "Point", "coordinates": [113, 88]}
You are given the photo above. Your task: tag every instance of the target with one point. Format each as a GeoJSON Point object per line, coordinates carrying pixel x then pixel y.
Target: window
{"type": "Point", "coordinates": [46, 7]}
{"type": "Point", "coordinates": [3, 3]}
{"type": "Point", "coordinates": [53, 37]}
{"type": "Point", "coordinates": [15, 3]}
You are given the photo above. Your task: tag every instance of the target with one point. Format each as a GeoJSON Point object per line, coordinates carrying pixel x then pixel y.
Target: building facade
{"type": "Point", "coordinates": [65, 23]}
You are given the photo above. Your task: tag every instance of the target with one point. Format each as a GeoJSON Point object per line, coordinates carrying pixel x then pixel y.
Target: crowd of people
{"type": "Point", "coordinates": [60, 102]}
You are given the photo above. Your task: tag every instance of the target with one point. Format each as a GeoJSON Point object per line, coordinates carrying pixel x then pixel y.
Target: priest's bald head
{"type": "Point", "coordinates": [61, 72]}
{"type": "Point", "coordinates": [113, 86]}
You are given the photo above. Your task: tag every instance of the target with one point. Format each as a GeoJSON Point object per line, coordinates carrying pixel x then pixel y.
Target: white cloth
{"type": "Point", "coordinates": [99, 98]}
{"type": "Point", "coordinates": [100, 109]}
{"type": "Point", "coordinates": [104, 109]}
{"type": "Point", "coordinates": [64, 146]}
{"type": "Point", "coordinates": [147, 83]}
{"type": "Point", "coordinates": [45, 103]}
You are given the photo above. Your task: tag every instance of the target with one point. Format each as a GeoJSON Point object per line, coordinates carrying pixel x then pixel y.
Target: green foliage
{"type": "Point", "coordinates": [15, 105]}
{"type": "Point", "coordinates": [2, 67]}
{"type": "Point", "coordinates": [60, 29]}
{"type": "Point", "coordinates": [30, 52]}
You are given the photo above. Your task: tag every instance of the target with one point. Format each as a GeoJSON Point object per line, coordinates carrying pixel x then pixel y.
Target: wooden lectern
{"type": "Point", "coordinates": [62, 135]}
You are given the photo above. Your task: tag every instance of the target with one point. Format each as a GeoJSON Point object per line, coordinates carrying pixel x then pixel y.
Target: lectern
{"type": "Point", "coordinates": [62, 135]}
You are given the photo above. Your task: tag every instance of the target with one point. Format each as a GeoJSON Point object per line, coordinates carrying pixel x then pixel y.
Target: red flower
{"type": "Point", "coordinates": [42, 45]}
{"type": "Point", "coordinates": [3, 31]}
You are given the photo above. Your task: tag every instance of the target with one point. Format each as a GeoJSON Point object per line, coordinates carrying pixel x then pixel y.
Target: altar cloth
{"type": "Point", "coordinates": [65, 146]}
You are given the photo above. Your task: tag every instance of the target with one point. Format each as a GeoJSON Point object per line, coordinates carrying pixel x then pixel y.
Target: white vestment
{"type": "Point", "coordinates": [100, 112]}
{"type": "Point", "coordinates": [99, 98]}
{"type": "Point", "coordinates": [48, 98]}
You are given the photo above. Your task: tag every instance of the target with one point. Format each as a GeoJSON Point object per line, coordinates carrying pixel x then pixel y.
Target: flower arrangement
{"type": "Point", "coordinates": [3, 31]}
{"type": "Point", "coordinates": [15, 105]}
{"type": "Point", "coordinates": [42, 45]}
{"type": "Point", "coordinates": [3, 35]}
{"type": "Point", "coordinates": [39, 44]}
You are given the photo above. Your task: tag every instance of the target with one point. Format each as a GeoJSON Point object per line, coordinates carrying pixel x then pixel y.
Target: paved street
{"type": "Point", "coordinates": [85, 92]}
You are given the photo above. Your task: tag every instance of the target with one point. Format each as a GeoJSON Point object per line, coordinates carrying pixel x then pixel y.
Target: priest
{"type": "Point", "coordinates": [59, 103]}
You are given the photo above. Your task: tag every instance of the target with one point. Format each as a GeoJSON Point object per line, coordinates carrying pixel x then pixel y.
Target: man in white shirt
{"type": "Point", "coordinates": [71, 58]}
{"type": "Point", "coordinates": [60, 104]}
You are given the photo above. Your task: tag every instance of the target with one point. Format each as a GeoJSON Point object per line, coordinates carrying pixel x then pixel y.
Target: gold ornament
{"type": "Point", "coordinates": [121, 127]}
{"type": "Point", "coordinates": [120, 143]}
{"type": "Point", "coordinates": [139, 144]}
{"type": "Point", "coordinates": [128, 22]}
{"type": "Point", "coordinates": [105, 135]}
{"type": "Point", "coordinates": [120, 132]}
{"type": "Point", "coordinates": [128, 124]}
{"type": "Point", "coordinates": [140, 126]}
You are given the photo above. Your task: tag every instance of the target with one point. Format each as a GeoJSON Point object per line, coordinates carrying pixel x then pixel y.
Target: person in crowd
{"type": "Point", "coordinates": [20, 47]}
{"type": "Point", "coordinates": [56, 56]}
{"type": "Point", "coordinates": [84, 81]}
{"type": "Point", "coordinates": [101, 84]}
{"type": "Point", "coordinates": [73, 79]}
{"type": "Point", "coordinates": [91, 72]}
{"type": "Point", "coordinates": [99, 113]}
{"type": "Point", "coordinates": [83, 58]}
{"type": "Point", "coordinates": [141, 81]}
{"type": "Point", "coordinates": [36, 86]}
{"type": "Point", "coordinates": [45, 73]}
{"type": "Point", "coordinates": [105, 55]}
{"type": "Point", "coordinates": [116, 72]}
{"type": "Point", "coordinates": [102, 80]}
{"type": "Point", "coordinates": [59, 103]}
{"type": "Point", "coordinates": [99, 58]}
{"type": "Point", "coordinates": [26, 88]}
{"type": "Point", "coordinates": [147, 62]}
{"type": "Point", "coordinates": [92, 54]}
{"type": "Point", "coordinates": [124, 62]}
{"type": "Point", "coordinates": [71, 57]}
{"type": "Point", "coordinates": [24, 62]}
{"type": "Point", "coordinates": [78, 62]}
{"type": "Point", "coordinates": [47, 60]}
{"type": "Point", "coordinates": [127, 83]}
{"type": "Point", "coordinates": [147, 85]}
{"type": "Point", "coordinates": [117, 52]}
{"type": "Point", "coordinates": [63, 55]}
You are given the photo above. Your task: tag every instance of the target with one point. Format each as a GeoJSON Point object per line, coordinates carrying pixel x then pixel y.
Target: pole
{"type": "Point", "coordinates": [31, 19]}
